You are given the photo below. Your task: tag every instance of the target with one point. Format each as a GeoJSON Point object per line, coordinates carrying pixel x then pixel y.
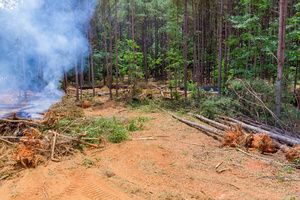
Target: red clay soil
{"type": "Point", "coordinates": [181, 163]}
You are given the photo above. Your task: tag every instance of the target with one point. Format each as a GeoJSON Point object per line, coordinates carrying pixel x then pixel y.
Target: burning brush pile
{"type": "Point", "coordinates": [27, 143]}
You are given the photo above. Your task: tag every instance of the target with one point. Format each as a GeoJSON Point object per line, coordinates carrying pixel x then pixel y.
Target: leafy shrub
{"type": "Point", "coordinates": [214, 106]}
{"type": "Point", "coordinates": [118, 135]}
{"type": "Point", "coordinates": [137, 124]}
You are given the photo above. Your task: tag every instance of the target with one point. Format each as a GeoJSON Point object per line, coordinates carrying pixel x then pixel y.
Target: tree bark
{"type": "Point", "coordinates": [116, 47]}
{"type": "Point", "coordinates": [220, 48]}
{"type": "Point", "coordinates": [77, 82]}
{"type": "Point", "coordinates": [92, 64]}
{"type": "Point", "coordinates": [212, 122]}
{"type": "Point", "coordinates": [209, 131]}
{"type": "Point", "coordinates": [280, 55]}
{"type": "Point", "coordinates": [185, 46]}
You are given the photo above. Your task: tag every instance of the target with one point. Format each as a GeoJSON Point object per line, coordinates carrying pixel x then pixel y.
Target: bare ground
{"type": "Point", "coordinates": [179, 164]}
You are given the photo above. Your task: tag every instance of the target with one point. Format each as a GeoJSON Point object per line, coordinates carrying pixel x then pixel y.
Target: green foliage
{"type": "Point", "coordinates": [147, 105]}
{"type": "Point", "coordinates": [174, 66]}
{"type": "Point", "coordinates": [131, 60]}
{"type": "Point", "coordinates": [250, 52]}
{"type": "Point", "coordinates": [112, 128]}
{"type": "Point", "coordinates": [118, 135]}
{"type": "Point", "coordinates": [254, 47]}
{"type": "Point", "coordinates": [137, 124]}
{"type": "Point", "coordinates": [257, 100]}
{"type": "Point", "coordinates": [214, 106]}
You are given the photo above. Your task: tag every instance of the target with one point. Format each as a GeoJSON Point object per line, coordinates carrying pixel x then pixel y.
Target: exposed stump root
{"type": "Point", "coordinates": [293, 155]}
{"type": "Point", "coordinates": [237, 138]}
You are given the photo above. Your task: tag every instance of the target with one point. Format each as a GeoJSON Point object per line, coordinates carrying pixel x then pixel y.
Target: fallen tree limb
{"type": "Point", "coordinates": [78, 140]}
{"type": "Point", "coordinates": [285, 139]}
{"type": "Point", "coordinates": [270, 128]}
{"type": "Point", "coordinates": [53, 147]}
{"type": "Point", "coordinates": [211, 122]}
{"type": "Point", "coordinates": [143, 138]}
{"type": "Point", "coordinates": [161, 91]}
{"type": "Point", "coordinates": [212, 132]}
{"type": "Point", "coordinates": [89, 87]}
{"type": "Point", "coordinates": [31, 123]}
{"type": "Point", "coordinates": [6, 141]}
{"type": "Point", "coordinates": [100, 94]}
{"type": "Point", "coordinates": [260, 157]}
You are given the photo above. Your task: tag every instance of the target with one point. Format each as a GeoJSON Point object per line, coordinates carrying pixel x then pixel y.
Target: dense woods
{"type": "Point", "coordinates": [232, 47]}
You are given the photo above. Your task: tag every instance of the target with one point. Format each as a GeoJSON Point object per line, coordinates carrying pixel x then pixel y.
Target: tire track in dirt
{"type": "Point", "coordinates": [93, 192]}
{"type": "Point", "coordinates": [88, 186]}
{"type": "Point", "coordinates": [72, 187]}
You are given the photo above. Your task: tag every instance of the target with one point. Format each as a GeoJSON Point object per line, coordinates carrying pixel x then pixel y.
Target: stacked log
{"type": "Point", "coordinates": [226, 128]}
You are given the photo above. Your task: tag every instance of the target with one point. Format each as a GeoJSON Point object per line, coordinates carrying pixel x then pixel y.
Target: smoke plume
{"type": "Point", "coordinates": [39, 40]}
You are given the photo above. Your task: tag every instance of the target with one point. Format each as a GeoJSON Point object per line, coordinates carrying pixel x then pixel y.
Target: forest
{"type": "Point", "coordinates": [229, 47]}
{"type": "Point", "coordinates": [149, 99]}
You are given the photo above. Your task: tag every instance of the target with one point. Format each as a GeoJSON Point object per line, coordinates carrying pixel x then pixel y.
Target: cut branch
{"type": "Point", "coordinates": [212, 122]}
{"type": "Point", "coordinates": [31, 123]}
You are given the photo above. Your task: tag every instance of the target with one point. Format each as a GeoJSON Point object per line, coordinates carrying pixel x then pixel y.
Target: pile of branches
{"type": "Point", "coordinates": [236, 133]}
{"type": "Point", "coordinates": [23, 144]}
{"type": "Point", "coordinates": [256, 99]}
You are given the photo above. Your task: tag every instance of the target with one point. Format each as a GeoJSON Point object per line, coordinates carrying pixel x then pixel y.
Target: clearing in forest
{"type": "Point", "coordinates": [163, 159]}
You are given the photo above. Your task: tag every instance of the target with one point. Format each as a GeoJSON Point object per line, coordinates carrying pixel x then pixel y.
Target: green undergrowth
{"type": "Point", "coordinates": [252, 98]}
{"type": "Point", "coordinates": [137, 124]}
{"type": "Point", "coordinates": [114, 129]}
{"type": "Point", "coordinates": [146, 105]}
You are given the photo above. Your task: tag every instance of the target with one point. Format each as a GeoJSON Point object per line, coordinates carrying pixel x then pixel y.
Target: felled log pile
{"type": "Point", "coordinates": [235, 133]}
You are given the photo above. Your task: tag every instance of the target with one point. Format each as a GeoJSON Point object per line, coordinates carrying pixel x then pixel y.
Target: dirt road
{"type": "Point", "coordinates": [179, 164]}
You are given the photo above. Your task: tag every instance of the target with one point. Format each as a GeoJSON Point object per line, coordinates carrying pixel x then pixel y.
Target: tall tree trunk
{"type": "Point", "coordinates": [77, 82]}
{"type": "Point", "coordinates": [185, 46]}
{"type": "Point", "coordinates": [110, 65]}
{"type": "Point", "coordinates": [132, 2]}
{"type": "Point", "coordinates": [144, 38]}
{"type": "Point", "coordinates": [65, 81]}
{"type": "Point", "coordinates": [116, 47]}
{"type": "Point", "coordinates": [202, 53]}
{"type": "Point", "coordinates": [296, 79]}
{"type": "Point", "coordinates": [81, 81]}
{"type": "Point", "coordinates": [91, 62]}
{"type": "Point", "coordinates": [220, 48]}
{"type": "Point", "coordinates": [280, 55]}
{"type": "Point", "coordinates": [226, 49]}
{"type": "Point", "coordinates": [195, 44]}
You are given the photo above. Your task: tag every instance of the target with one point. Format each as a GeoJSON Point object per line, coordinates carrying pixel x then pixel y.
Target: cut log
{"type": "Point", "coordinates": [89, 87]}
{"type": "Point", "coordinates": [211, 122]}
{"type": "Point", "coordinates": [292, 141]}
{"type": "Point", "coordinates": [271, 128]}
{"type": "Point", "coordinates": [100, 94]}
{"type": "Point", "coordinates": [210, 131]}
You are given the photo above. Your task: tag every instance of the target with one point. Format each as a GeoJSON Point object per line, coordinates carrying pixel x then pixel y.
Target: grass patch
{"type": "Point", "coordinates": [147, 105]}
{"type": "Point", "coordinates": [111, 128]}
{"type": "Point", "coordinates": [137, 124]}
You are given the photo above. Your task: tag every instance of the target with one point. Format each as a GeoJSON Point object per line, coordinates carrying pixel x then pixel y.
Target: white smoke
{"type": "Point", "coordinates": [39, 40]}
{"type": "Point", "coordinates": [9, 4]}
